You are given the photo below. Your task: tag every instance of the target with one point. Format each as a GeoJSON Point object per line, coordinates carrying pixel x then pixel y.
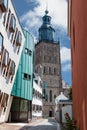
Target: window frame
{"type": "Point", "coordinates": [12, 24]}
{"type": "Point", "coordinates": [50, 95]}
{"type": "Point", "coordinates": [2, 42]}
{"type": "Point", "coordinates": [12, 73]}
{"type": "Point", "coordinates": [5, 61]}
{"type": "Point", "coordinates": [19, 39]}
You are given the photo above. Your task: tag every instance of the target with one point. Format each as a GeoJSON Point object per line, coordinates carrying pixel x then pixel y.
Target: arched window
{"type": "Point", "coordinates": [55, 71]}
{"type": "Point", "coordinates": [44, 70]}
{"type": "Point", "coordinates": [49, 70]}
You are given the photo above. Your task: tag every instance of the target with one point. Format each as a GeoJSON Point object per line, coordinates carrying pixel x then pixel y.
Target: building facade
{"type": "Point", "coordinates": [37, 97]}
{"type": "Point", "coordinates": [47, 65]}
{"type": "Point", "coordinates": [11, 44]}
{"type": "Point", "coordinates": [65, 88]}
{"type": "Point", "coordinates": [23, 85]}
{"type": "Point", "coordinates": [78, 34]}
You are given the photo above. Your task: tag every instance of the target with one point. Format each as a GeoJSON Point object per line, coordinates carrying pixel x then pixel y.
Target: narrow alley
{"type": "Point", "coordinates": [40, 124]}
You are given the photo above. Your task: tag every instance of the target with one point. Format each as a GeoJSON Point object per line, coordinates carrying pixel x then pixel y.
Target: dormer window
{"type": "Point", "coordinates": [12, 24]}
{"type": "Point", "coordinates": [1, 46]}
{"type": "Point", "coordinates": [19, 39]}
{"type": "Point", "coordinates": [3, 5]}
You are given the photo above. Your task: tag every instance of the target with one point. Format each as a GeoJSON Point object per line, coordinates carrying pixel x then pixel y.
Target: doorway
{"type": "Point", "coordinates": [50, 113]}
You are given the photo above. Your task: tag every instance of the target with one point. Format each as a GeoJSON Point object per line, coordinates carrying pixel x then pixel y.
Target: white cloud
{"type": "Point", "coordinates": [57, 10]}
{"type": "Point", "coordinates": [66, 67]}
{"type": "Point", "coordinates": [65, 54]}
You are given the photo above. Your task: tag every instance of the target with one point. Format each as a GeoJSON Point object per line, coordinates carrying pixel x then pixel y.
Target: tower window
{"type": "Point", "coordinates": [44, 70]}
{"type": "Point", "coordinates": [50, 95]}
{"type": "Point", "coordinates": [55, 71]}
{"type": "Point", "coordinates": [49, 70]}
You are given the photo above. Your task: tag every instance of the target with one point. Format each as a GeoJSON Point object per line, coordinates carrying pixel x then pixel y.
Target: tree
{"type": "Point", "coordinates": [70, 93]}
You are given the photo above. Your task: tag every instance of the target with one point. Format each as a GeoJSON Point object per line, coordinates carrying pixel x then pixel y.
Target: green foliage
{"type": "Point", "coordinates": [70, 94]}
{"type": "Point", "coordinates": [70, 123]}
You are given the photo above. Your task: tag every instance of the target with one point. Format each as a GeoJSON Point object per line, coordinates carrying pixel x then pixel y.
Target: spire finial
{"type": "Point", "coordinates": [46, 11]}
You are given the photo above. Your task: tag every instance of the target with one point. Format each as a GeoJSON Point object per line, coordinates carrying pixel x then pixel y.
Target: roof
{"type": "Point", "coordinates": [61, 97]}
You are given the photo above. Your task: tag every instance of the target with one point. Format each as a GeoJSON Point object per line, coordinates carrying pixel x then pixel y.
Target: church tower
{"type": "Point", "coordinates": [47, 65]}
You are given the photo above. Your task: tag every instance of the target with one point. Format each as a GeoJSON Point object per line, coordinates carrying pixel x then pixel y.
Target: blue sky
{"type": "Point", "coordinates": [30, 13]}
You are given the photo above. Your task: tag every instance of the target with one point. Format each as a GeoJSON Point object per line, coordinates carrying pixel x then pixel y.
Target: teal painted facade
{"type": "Point", "coordinates": [23, 85]}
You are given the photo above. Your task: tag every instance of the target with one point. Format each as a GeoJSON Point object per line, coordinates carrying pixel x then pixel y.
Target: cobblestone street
{"type": "Point", "coordinates": [40, 124]}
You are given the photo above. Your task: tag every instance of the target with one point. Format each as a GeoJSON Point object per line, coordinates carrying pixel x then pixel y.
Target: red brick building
{"type": "Point", "coordinates": [78, 33]}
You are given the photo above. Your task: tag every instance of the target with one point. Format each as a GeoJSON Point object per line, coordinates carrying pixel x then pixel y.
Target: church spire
{"type": "Point", "coordinates": [46, 32]}
{"type": "Point", "coordinates": [46, 11]}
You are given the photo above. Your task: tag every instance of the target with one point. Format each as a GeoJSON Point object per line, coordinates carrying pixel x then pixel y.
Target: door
{"type": "Point", "coordinates": [50, 113]}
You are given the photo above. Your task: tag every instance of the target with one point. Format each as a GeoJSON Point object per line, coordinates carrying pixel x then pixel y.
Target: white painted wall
{"type": "Point", "coordinates": [7, 87]}
{"type": "Point", "coordinates": [66, 109]}
{"type": "Point", "coordinates": [37, 101]}
{"type": "Point", "coordinates": [4, 86]}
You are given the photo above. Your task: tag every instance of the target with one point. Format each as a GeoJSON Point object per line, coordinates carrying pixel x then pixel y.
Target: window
{"type": "Point", "coordinates": [54, 96]}
{"type": "Point", "coordinates": [4, 100]}
{"type": "Point", "coordinates": [12, 24]}
{"type": "Point", "coordinates": [55, 71]}
{"type": "Point", "coordinates": [13, 68]}
{"type": "Point", "coordinates": [49, 70]}
{"type": "Point", "coordinates": [30, 52]}
{"type": "Point", "coordinates": [4, 19]}
{"type": "Point", "coordinates": [36, 81]}
{"type": "Point", "coordinates": [26, 51]}
{"type": "Point", "coordinates": [27, 76]}
{"type": "Point", "coordinates": [44, 70]}
{"type": "Point", "coordinates": [6, 59]}
{"type": "Point", "coordinates": [40, 107]}
{"type": "Point", "coordinates": [15, 37]}
{"type": "Point", "coordinates": [50, 95]}
{"type": "Point", "coordinates": [19, 39]}
{"type": "Point", "coordinates": [1, 94]}
{"type": "Point", "coordinates": [3, 5]}
{"type": "Point", "coordinates": [46, 98]}
{"type": "Point", "coordinates": [9, 13]}
{"type": "Point", "coordinates": [1, 46]}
